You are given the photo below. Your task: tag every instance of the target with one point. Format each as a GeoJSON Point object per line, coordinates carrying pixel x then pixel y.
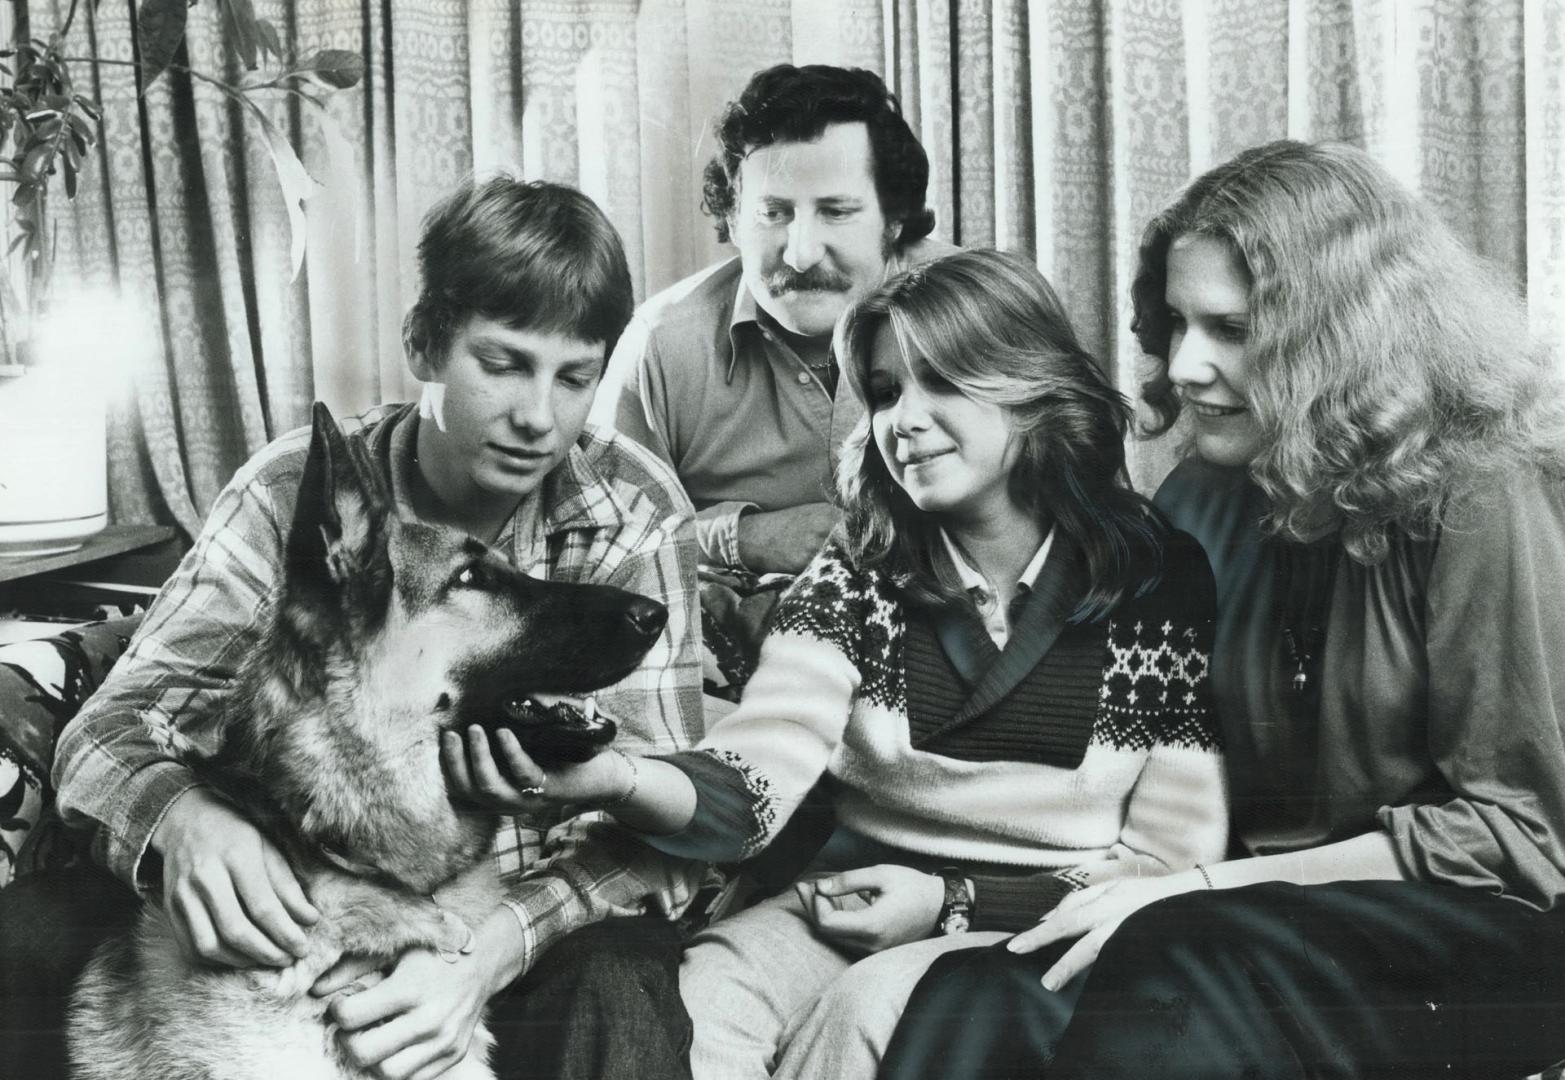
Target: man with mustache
{"type": "Point", "coordinates": [728, 375]}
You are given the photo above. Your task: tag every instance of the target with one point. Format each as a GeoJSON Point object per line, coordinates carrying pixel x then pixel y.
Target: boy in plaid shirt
{"type": "Point", "coordinates": [524, 293]}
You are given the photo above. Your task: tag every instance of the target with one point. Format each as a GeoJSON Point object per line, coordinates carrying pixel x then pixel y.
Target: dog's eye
{"type": "Point", "coordinates": [466, 576]}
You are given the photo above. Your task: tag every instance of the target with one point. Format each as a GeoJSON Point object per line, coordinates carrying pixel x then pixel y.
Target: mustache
{"type": "Point", "coordinates": [815, 279]}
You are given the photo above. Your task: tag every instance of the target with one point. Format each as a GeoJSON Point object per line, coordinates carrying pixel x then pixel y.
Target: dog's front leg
{"type": "Point", "coordinates": [373, 920]}
{"type": "Point", "coordinates": [297, 978]}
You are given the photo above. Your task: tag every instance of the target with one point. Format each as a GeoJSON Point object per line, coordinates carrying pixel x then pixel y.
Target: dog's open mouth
{"type": "Point", "coordinates": [558, 731]}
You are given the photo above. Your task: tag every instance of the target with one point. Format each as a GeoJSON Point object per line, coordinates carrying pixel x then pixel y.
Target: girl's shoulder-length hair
{"type": "Point", "coordinates": [988, 323]}
{"type": "Point", "coordinates": [1389, 367]}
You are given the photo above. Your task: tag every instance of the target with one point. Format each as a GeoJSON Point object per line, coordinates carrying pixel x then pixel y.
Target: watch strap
{"type": "Point", "coordinates": [956, 910]}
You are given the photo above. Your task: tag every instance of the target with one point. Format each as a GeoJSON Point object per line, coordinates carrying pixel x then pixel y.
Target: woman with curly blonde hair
{"type": "Point", "coordinates": [1377, 473]}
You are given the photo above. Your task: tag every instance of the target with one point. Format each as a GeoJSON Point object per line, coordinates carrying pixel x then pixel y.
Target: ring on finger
{"type": "Point", "coordinates": [531, 792]}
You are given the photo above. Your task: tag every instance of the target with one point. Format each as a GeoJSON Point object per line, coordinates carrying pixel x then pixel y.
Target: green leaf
{"type": "Point", "coordinates": [340, 68]}
{"type": "Point", "coordinates": [160, 26]}
{"type": "Point", "coordinates": [294, 179]}
{"type": "Point", "coordinates": [242, 30]}
{"type": "Point", "coordinates": [70, 177]}
{"type": "Point", "coordinates": [37, 162]}
{"type": "Point", "coordinates": [82, 127]}
{"type": "Point", "coordinates": [269, 39]}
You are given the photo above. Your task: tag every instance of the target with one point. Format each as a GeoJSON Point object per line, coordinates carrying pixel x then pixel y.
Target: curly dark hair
{"type": "Point", "coordinates": [795, 104]}
{"type": "Point", "coordinates": [530, 255]}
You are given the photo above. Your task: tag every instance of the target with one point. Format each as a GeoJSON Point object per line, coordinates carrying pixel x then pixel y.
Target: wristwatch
{"type": "Point", "coordinates": [956, 913]}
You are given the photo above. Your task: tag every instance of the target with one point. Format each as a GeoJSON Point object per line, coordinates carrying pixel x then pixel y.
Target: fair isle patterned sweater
{"type": "Point", "coordinates": [1082, 752]}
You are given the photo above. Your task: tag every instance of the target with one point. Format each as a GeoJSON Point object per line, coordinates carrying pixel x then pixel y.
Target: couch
{"type": "Point", "coordinates": [42, 683]}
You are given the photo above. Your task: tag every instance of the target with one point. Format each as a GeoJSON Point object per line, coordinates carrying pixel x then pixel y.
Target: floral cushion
{"type": "Point", "coordinates": [42, 683]}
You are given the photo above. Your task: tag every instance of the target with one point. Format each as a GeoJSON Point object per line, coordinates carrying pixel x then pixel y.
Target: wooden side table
{"type": "Point", "coordinates": [122, 562]}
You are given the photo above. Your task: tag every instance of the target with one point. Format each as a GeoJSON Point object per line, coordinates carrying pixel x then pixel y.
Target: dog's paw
{"type": "Point", "coordinates": [296, 979]}
{"type": "Point", "coordinates": [454, 938]}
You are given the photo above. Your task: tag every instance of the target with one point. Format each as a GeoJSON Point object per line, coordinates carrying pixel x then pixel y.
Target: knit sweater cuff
{"type": "Point", "coordinates": [1013, 904]}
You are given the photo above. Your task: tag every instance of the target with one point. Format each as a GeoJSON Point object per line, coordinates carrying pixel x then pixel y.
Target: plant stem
{"type": "Point", "coordinates": [231, 91]}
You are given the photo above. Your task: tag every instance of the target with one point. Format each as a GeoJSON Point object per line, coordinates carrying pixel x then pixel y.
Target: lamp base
{"type": "Point", "coordinates": [27, 540]}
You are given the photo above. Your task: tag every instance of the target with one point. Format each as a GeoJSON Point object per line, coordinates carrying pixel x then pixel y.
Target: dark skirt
{"type": "Point", "coordinates": [1271, 982]}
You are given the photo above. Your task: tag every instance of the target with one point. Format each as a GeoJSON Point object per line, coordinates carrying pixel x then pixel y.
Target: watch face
{"type": "Point", "coordinates": [954, 923]}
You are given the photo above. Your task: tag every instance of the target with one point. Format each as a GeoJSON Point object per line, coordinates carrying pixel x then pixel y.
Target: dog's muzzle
{"type": "Point", "coordinates": [558, 734]}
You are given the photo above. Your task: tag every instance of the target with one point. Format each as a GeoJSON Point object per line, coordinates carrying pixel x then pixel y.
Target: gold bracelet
{"type": "Point", "coordinates": [635, 781]}
{"type": "Point", "coordinates": [1205, 876]}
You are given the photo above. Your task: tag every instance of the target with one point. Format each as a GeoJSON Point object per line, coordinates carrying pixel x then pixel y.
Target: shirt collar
{"type": "Point", "coordinates": [746, 313]}
{"type": "Point", "coordinates": [576, 495]}
{"type": "Point", "coordinates": [971, 579]}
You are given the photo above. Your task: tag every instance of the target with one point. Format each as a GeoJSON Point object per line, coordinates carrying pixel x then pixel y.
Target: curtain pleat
{"type": "Point", "coordinates": [1055, 128]}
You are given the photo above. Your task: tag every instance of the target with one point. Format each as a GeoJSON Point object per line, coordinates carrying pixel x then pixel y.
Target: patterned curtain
{"type": "Point", "coordinates": [1054, 126]}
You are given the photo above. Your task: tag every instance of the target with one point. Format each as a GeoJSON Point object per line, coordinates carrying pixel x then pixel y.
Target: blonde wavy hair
{"type": "Point", "coordinates": [1391, 370]}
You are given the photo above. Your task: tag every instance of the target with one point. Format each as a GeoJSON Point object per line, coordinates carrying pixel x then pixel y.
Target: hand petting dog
{"type": "Point", "coordinates": [229, 892]}
{"type": "Point", "coordinates": [491, 770]}
{"type": "Point", "coordinates": [417, 1020]}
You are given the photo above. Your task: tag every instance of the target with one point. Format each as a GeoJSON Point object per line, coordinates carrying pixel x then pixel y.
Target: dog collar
{"type": "Point", "coordinates": [369, 870]}
{"type": "Point", "coordinates": [350, 866]}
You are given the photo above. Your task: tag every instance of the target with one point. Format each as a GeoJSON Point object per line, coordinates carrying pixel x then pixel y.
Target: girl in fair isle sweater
{"type": "Point", "coordinates": [998, 665]}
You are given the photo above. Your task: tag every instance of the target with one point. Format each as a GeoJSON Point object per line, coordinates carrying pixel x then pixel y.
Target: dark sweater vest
{"type": "Point", "coordinates": [1046, 718]}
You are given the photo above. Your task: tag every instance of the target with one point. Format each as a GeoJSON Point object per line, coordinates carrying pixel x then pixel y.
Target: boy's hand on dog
{"type": "Point", "coordinates": [229, 892]}
{"type": "Point", "coordinates": [418, 1021]}
{"type": "Point", "coordinates": [875, 908]}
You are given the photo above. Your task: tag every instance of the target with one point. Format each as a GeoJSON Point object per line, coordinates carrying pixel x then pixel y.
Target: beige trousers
{"type": "Point", "coordinates": [768, 998]}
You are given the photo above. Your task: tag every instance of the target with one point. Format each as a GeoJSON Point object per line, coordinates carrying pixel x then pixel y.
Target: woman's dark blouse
{"type": "Point", "coordinates": [1442, 684]}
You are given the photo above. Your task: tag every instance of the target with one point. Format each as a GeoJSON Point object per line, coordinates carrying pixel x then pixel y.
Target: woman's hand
{"type": "Point", "coordinates": [470, 763]}
{"type": "Point", "coordinates": [876, 908]}
{"type": "Point", "coordinates": [1093, 914]}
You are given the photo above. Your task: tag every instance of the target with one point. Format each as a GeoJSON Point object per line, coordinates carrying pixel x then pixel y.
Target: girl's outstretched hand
{"type": "Point", "coordinates": [1093, 914]}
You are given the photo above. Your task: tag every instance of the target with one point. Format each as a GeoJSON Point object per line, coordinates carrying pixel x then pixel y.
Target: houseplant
{"type": "Point", "coordinates": [52, 447]}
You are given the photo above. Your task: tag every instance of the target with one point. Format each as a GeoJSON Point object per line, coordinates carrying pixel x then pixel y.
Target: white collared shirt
{"type": "Point", "coordinates": [997, 620]}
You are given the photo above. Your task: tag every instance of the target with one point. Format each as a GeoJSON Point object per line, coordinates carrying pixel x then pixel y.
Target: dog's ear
{"type": "Point", "coordinates": [338, 539]}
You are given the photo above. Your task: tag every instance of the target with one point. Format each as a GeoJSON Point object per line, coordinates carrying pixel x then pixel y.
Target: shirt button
{"type": "Point", "coordinates": [804, 378]}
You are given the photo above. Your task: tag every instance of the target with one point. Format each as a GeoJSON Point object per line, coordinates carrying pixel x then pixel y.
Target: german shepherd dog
{"type": "Point", "coordinates": [387, 632]}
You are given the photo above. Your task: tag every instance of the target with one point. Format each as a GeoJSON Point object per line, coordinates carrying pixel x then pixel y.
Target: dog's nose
{"type": "Point", "coordinates": [647, 616]}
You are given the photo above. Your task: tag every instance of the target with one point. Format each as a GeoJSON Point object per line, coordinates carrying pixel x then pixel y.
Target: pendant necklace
{"type": "Point", "coordinates": [1307, 572]}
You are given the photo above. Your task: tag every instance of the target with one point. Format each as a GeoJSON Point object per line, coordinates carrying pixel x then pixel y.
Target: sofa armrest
{"type": "Point", "coordinates": [42, 684]}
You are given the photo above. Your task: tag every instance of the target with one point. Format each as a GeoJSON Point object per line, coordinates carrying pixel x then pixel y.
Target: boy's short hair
{"type": "Point", "coordinates": [529, 255]}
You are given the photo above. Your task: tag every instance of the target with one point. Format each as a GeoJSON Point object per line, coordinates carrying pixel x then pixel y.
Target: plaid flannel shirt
{"type": "Point", "coordinates": [611, 514]}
